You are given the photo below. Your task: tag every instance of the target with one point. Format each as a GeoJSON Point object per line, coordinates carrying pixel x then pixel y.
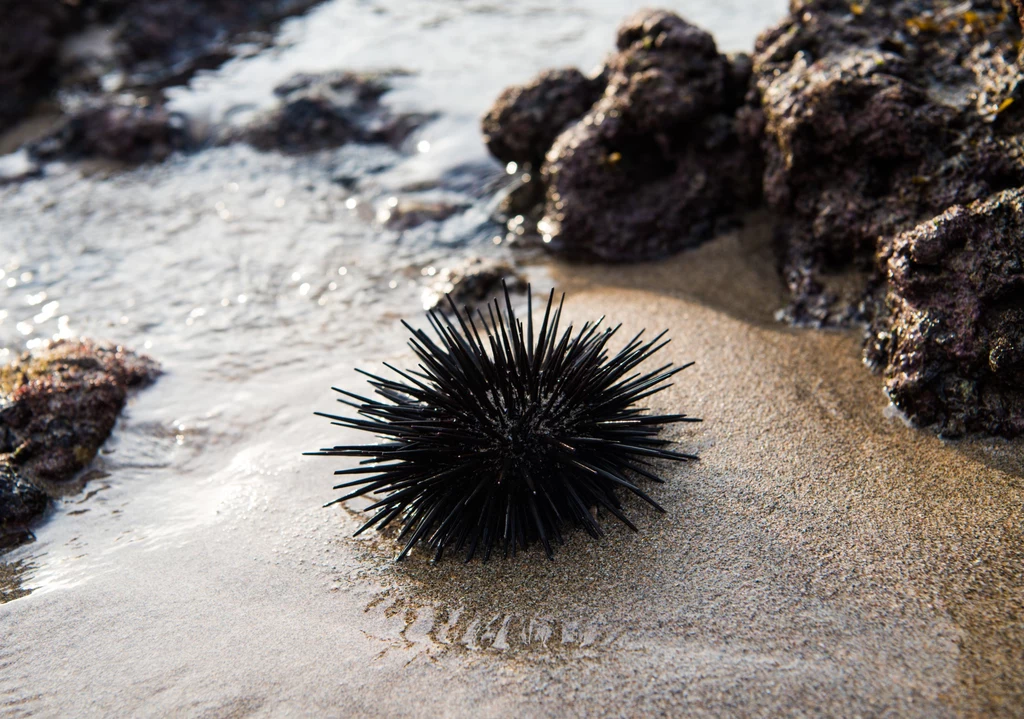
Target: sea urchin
{"type": "Point", "coordinates": [505, 436]}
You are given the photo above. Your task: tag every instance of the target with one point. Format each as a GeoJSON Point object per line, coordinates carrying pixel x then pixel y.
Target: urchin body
{"type": "Point", "coordinates": [504, 436]}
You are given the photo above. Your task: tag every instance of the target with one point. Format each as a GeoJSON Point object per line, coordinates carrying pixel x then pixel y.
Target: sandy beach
{"type": "Point", "coordinates": [821, 558]}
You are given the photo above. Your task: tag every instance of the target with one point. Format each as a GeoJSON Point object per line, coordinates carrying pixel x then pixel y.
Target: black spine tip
{"type": "Point", "coordinates": [508, 432]}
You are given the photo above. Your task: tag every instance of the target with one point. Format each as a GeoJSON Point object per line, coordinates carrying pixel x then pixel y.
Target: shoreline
{"type": "Point", "coordinates": [819, 559]}
{"type": "Point", "coordinates": [822, 558]}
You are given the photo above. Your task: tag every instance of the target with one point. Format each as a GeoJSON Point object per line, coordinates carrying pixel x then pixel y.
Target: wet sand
{"type": "Point", "coordinates": [821, 558]}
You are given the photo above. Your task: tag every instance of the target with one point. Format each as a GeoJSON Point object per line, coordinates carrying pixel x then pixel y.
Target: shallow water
{"type": "Point", "coordinates": [246, 272]}
{"type": "Point", "coordinates": [198, 573]}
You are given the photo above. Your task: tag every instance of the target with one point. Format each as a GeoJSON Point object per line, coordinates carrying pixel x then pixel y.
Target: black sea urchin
{"type": "Point", "coordinates": [501, 435]}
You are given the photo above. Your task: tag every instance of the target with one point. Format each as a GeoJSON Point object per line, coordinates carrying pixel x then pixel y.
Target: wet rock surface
{"type": "Point", "coordinates": [883, 123]}
{"type": "Point", "coordinates": [141, 45]}
{"type": "Point", "coordinates": [130, 132]}
{"type": "Point", "coordinates": [879, 116]}
{"type": "Point", "coordinates": [472, 284]}
{"type": "Point", "coordinates": [20, 503]}
{"type": "Point", "coordinates": [408, 213]}
{"type": "Point", "coordinates": [166, 41]}
{"type": "Point", "coordinates": [661, 159]}
{"type": "Point", "coordinates": [329, 110]}
{"type": "Point", "coordinates": [60, 405]}
{"type": "Point", "coordinates": [951, 345]}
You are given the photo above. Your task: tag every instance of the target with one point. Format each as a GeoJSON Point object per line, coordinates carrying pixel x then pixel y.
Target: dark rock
{"type": "Point", "coordinates": [877, 117]}
{"type": "Point", "coordinates": [58, 407]}
{"type": "Point", "coordinates": [409, 213]}
{"type": "Point", "coordinates": [329, 110]}
{"type": "Point", "coordinates": [663, 159]}
{"type": "Point", "coordinates": [20, 503]}
{"type": "Point", "coordinates": [952, 343]}
{"type": "Point", "coordinates": [29, 45]}
{"type": "Point", "coordinates": [164, 42]}
{"type": "Point", "coordinates": [61, 404]}
{"type": "Point", "coordinates": [125, 132]}
{"type": "Point", "coordinates": [472, 284]}
{"type": "Point", "coordinates": [152, 44]}
{"type": "Point", "coordinates": [525, 119]}
{"type": "Point", "coordinates": [894, 150]}
{"type": "Point", "coordinates": [525, 197]}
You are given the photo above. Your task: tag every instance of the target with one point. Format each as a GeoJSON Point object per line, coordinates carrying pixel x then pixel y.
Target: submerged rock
{"type": "Point", "coordinates": [62, 402]}
{"type": "Point", "coordinates": [952, 343]}
{"type": "Point", "coordinates": [149, 44]}
{"type": "Point", "coordinates": [20, 503]}
{"type": "Point", "coordinates": [471, 284]}
{"type": "Point", "coordinates": [409, 212]}
{"type": "Point", "coordinates": [879, 116]}
{"type": "Point", "coordinates": [329, 110]}
{"type": "Point", "coordinates": [126, 132]}
{"type": "Point", "coordinates": [164, 42]}
{"type": "Point", "coordinates": [658, 162]}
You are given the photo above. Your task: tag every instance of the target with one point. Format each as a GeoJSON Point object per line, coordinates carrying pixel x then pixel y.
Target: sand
{"type": "Point", "coordinates": [822, 558]}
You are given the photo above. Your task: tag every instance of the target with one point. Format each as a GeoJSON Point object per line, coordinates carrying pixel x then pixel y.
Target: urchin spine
{"type": "Point", "coordinates": [506, 435]}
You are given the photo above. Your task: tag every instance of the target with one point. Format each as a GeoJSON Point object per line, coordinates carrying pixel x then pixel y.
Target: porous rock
{"type": "Point", "coordinates": [662, 159]}
{"type": "Point", "coordinates": [61, 403]}
{"type": "Point", "coordinates": [952, 342]}
{"type": "Point", "coordinates": [658, 164]}
{"type": "Point", "coordinates": [525, 119]}
{"type": "Point", "coordinates": [879, 116]}
{"type": "Point", "coordinates": [57, 406]}
{"type": "Point", "coordinates": [472, 283]}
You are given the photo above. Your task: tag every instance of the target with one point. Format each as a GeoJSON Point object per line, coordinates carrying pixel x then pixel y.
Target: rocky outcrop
{"type": "Point", "coordinates": [879, 116]}
{"type": "Point", "coordinates": [894, 152]}
{"type": "Point", "coordinates": [525, 119]}
{"type": "Point", "coordinates": [667, 154]}
{"type": "Point", "coordinates": [951, 342]}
